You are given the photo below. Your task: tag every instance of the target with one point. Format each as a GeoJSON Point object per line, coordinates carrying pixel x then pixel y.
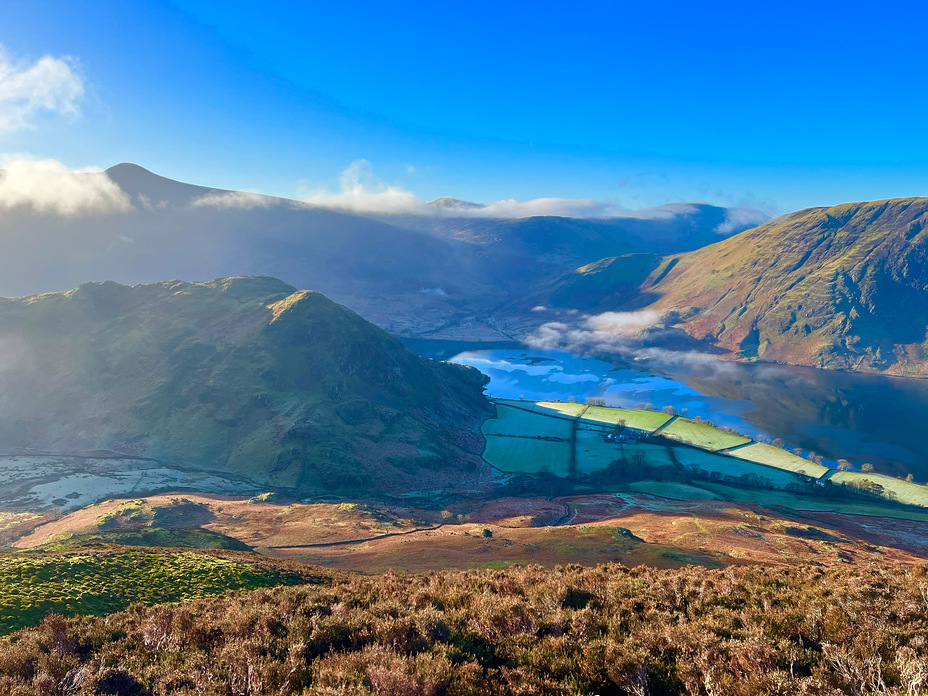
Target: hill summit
{"type": "Point", "coordinates": [246, 377]}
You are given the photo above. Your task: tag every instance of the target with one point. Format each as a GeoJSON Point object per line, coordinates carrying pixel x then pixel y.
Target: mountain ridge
{"type": "Point", "coordinates": [243, 376]}
{"type": "Point", "coordinates": [837, 287]}
{"type": "Point", "coordinates": [841, 287]}
{"type": "Point", "coordinates": [427, 276]}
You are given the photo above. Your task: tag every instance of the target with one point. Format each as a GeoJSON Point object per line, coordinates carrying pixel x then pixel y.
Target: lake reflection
{"type": "Point", "coordinates": [862, 418]}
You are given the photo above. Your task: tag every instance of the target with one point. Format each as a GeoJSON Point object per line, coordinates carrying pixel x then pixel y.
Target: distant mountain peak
{"type": "Point", "coordinates": [449, 203]}
{"type": "Point", "coordinates": [127, 167]}
{"type": "Point", "coordinates": [154, 188]}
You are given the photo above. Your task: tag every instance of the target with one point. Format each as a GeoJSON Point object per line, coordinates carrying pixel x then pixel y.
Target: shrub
{"type": "Point", "coordinates": [742, 631]}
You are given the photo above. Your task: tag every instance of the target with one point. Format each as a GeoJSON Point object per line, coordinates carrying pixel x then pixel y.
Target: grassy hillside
{"type": "Point", "coordinates": [243, 377]}
{"type": "Point", "coordinates": [843, 287]}
{"type": "Point", "coordinates": [747, 631]}
{"type": "Point", "coordinates": [599, 286]}
{"type": "Point", "coordinates": [102, 582]}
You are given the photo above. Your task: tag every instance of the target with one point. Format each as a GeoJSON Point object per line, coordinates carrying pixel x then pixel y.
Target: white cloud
{"type": "Point", "coordinates": [622, 323]}
{"type": "Point", "coordinates": [49, 84]}
{"type": "Point", "coordinates": [48, 187]}
{"type": "Point", "coordinates": [741, 218]}
{"type": "Point", "coordinates": [360, 192]}
{"type": "Point", "coordinates": [608, 332]}
{"type": "Point", "coordinates": [563, 207]}
{"type": "Point", "coordinates": [242, 200]}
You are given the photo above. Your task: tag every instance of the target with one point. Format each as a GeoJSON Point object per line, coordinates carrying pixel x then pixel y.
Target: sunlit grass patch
{"type": "Point", "coordinates": [702, 435]}
{"type": "Point", "coordinates": [101, 583]}
{"type": "Point", "coordinates": [639, 419]}
{"type": "Point", "coordinates": [780, 458]}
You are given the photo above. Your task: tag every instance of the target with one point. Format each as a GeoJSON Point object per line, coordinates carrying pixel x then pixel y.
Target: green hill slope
{"type": "Point", "coordinates": [100, 582]}
{"type": "Point", "coordinates": [245, 377]}
{"type": "Point", "coordinates": [843, 287]}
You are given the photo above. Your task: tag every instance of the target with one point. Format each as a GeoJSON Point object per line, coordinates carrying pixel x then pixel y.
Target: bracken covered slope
{"type": "Point", "coordinates": [574, 631]}
{"type": "Point", "coordinates": [843, 288]}
{"type": "Point", "coordinates": [245, 377]}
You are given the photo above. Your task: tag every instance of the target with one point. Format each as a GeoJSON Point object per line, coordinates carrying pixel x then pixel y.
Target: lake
{"type": "Point", "coordinates": [861, 418]}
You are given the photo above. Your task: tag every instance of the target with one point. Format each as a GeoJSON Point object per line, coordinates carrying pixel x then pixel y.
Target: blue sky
{"type": "Point", "coordinates": [770, 105]}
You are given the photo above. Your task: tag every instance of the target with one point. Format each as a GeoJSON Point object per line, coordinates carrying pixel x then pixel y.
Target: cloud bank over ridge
{"type": "Point", "coordinates": [48, 187]}
{"type": "Point", "coordinates": [360, 191]}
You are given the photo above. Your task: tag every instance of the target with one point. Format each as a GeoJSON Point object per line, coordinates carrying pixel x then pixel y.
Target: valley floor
{"type": "Point", "coordinates": [638, 524]}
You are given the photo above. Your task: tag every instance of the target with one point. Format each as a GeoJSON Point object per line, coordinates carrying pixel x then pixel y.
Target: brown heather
{"type": "Point", "coordinates": [606, 630]}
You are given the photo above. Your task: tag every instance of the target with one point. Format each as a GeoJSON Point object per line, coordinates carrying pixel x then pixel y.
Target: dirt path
{"type": "Point", "coordinates": [358, 541]}
{"type": "Point", "coordinates": [570, 514]}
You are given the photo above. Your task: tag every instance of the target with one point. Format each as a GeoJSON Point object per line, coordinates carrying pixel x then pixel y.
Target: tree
{"type": "Point", "coordinates": [866, 466]}
{"type": "Point", "coordinates": [843, 465]}
{"type": "Point", "coordinates": [909, 478]}
{"type": "Point", "coordinates": [487, 533]}
{"type": "Point", "coordinates": [778, 442]}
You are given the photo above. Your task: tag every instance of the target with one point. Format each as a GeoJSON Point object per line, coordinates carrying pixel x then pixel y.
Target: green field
{"type": "Point", "coordinates": [594, 454]}
{"type": "Point", "coordinates": [515, 444]}
{"type": "Point", "coordinates": [559, 408]}
{"type": "Point", "coordinates": [908, 493]}
{"type": "Point", "coordinates": [808, 503]}
{"type": "Point", "coordinates": [673, 490]}
{"type": "Point", "coordinates": [101, 583]}
{"type": "Point", "coordinates": [654, 455]}
{"type": "Point", "coordinates": [730, 466]}
{"type": "Point", "coordinates": [512, 420]}
{"type": "Point", "coordinates": [780, 458]}
{"type": "Point", "coordinates": [701, 435]}
{"type": "Point", "coordinates": [524, 455]}
{"type": "Point", "coordinates": [633, 417]}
